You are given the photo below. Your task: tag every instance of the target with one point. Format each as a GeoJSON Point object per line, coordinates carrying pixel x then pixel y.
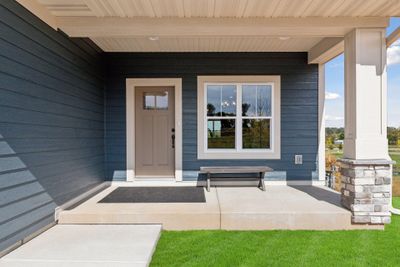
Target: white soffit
{"type": "Point", "coordinates": [206, 44]}
{"type": "Point", "coordinates": [215, 25]}
{"type": "Point", "coordinates": [224, 8]}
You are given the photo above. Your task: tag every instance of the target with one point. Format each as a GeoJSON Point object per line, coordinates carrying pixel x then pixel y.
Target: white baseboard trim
{"type": "Point", "coordinates": [170, 182]}
{"type": "Point", "coordinates": [79, 198]}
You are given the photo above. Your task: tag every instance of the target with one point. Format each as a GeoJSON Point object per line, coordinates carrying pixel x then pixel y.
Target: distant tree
{"type": "Point", "coordinates": [393, 135]}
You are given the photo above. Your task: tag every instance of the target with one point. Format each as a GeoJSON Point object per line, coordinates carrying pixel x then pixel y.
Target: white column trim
{"type": "Point", "coordinates": [130, 122]}
{"type": "Point", "coordinates": [321, 122]}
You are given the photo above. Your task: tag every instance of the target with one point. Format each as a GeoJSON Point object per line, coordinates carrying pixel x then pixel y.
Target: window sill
{"type": "Point", "coordinates": [238, 155]}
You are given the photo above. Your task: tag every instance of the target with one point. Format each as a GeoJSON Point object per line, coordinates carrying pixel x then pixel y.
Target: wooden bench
{"type": "Point", "coordinates": [261, 170]}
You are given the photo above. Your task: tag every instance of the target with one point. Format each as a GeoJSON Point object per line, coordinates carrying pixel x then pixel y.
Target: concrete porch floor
{"type": "Point", "coordinates": [230, 208]}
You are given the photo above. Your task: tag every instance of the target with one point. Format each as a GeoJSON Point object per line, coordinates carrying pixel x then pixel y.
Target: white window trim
{"type": "Point", "coordinates": [204, 153]}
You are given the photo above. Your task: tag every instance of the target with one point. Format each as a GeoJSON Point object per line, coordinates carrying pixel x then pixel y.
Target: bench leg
{"type": "Point", "coordinates": [261, 184]}
{"type": "Point", "coordinates": [208, 182]}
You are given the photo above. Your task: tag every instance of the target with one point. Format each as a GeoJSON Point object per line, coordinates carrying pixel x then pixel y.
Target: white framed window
{"type": "Point", "coordinates": [238, 117]}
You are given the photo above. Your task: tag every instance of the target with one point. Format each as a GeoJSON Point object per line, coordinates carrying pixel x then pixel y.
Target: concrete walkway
{"type": "Point", "coordinates": [88, 245]}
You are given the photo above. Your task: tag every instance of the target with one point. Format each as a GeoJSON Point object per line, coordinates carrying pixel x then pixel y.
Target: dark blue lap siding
{"type": "Point", "coordinates": [51, 121]}
{"type": "Point", "coordinates": [299, 101]}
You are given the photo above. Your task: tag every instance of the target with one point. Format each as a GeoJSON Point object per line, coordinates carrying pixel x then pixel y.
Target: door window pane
{"type": "Point", "coordinates": [149, 101]}
{"type": "Point", "coordinates": [256, 100]}
{"type": "Point", "coordinates": [221, 133]}
{"type": "Point", "coordinates": [155, 100]}
{"type": "Point", "coordinates": [221, 100]}
{"type": "Point", "coordinates": [162, 100]}
{"type": "Point", "coordinates": [256, 134]}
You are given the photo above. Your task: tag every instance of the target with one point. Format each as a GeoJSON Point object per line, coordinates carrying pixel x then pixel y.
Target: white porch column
{"type": "Point", "coordinates": [365, 94]}
{"type": "Point", "coordinates": [366, 167]}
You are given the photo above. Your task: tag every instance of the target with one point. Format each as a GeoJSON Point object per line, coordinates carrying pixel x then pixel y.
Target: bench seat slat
{"type": "Point", "coordinates": [234, 169]}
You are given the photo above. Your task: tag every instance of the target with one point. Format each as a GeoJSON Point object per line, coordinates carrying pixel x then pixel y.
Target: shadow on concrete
{"type": "Point", "coordinates": [320, 194]}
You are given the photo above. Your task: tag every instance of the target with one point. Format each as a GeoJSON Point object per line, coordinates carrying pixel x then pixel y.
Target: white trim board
{"type": "Point", "coordinates": [196, 183]}
{"type": "Point", "coordinates": [184, 27]}
{"type": "Point", "coordinates": [321, 122]}
{"type": "Point", "coordinates": [131, 83]}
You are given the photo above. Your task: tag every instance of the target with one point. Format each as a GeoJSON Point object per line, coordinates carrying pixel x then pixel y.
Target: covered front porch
{"type": "Point", "coordinates": [228, 208]}
{"type": "Point", "coordinates": [121, 92]}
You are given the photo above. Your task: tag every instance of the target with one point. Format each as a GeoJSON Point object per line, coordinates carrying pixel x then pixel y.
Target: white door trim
{"type": "Point", "coordinates": [130, 121]}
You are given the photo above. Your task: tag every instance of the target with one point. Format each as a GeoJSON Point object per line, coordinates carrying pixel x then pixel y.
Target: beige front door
{"type": "Point", "coordinates": [155, 131]}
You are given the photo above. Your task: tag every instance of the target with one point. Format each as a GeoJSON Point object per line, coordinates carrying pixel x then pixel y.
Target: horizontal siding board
{"type": "Point", "coordinates": [20, 192]}
{"type": "Point", "coordinates": [76, 168]}
{"type": "Point", "coordinates": [26, 115]}
{"type": "Point", "coordinates": [20, 207]}
{"type": "Point", "coordinates": [11, 163]}
{"type": "Point", "coordinates": [49, 145]}
{"type": "Point", "coordinates": [16, 130]}
{"type": "Point", "coordinates": [50, 157]}
{"type": "Point", "coordinates": [25, 220]}
{"type": "Point", "coordinates": [15, 179]}
{"type": "Point", "coordinates": [28, 72]}
{"type": "Point", "coordinates": [299, 103]}
{"type": "Point", "coordinates": [24, 22]}
{"type": "Point", "coordinates": [26, 51]}
{"type": "Point", "coordinates": [12, 99]}
{"type": "Point", "coordinates": [51, 121]}
{"type": "Point", "coordinates": [22, 86]}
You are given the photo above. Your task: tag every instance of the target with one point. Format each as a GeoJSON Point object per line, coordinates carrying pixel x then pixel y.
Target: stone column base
{"type": "Point", "coordinates": [366, 190]}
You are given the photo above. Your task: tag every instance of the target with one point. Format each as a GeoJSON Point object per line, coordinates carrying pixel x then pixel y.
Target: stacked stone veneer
{"type": "Point", "coordinates": [366, 190]}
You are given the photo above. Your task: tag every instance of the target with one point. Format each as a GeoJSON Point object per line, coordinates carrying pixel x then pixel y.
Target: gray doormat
{"type": "Point", "coordinates": [180, 194]}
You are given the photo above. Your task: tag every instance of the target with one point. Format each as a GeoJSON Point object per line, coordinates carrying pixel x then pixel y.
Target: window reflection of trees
{"type": "Point", "coordinates": [255, 110]}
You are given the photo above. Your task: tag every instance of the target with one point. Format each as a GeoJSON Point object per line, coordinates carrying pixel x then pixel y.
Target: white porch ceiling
{"type": "Point", "coordinates": [215, 25]}
{"type": "Point", "coordinates": [224, 8]}
{"type": "Point", "coordinates": [206, 44]}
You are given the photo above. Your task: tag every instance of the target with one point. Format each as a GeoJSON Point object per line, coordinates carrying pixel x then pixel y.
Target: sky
{"type": "Point", "coordinates": [334, 85]}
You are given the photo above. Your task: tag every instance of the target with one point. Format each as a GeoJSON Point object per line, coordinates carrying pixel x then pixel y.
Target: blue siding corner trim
{"type": "Point", "coordinates": [299, 104]}
{"type": "Point", "coordinates": [51, 121]}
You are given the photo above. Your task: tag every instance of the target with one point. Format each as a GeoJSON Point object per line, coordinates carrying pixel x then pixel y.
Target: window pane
{"type": "Point", "coordinates": [149, 101]}
{"type": "Point", "coordinates": [162, 100]}
{"type": "Point", "coordinates": [256, 100]}
{"type": "Point", "coordinates": [221, 133]}
{"type": "Point", "coordinates": [221, 100]}
{"type": "Point", "coordinates": [155, 100]}
{"type": "Point", "coordinates": [256, 134]}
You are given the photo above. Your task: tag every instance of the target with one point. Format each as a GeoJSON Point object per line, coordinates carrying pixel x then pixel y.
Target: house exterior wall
{"type": "Point", "coordinates": [299, 105]}
{"type": "Point", "coordinates": [51, 121]}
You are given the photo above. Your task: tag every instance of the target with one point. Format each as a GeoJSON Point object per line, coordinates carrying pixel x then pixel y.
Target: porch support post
{"type": "Point", "coordinates": [366, 167]}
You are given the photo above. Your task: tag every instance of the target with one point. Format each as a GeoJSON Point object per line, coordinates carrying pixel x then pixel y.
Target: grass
{"type": "Point", "coordinates": [281, 248]}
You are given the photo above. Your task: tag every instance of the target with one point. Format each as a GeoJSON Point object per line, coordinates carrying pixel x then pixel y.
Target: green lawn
{"type": "Point", "coordinates": [281, 248]}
